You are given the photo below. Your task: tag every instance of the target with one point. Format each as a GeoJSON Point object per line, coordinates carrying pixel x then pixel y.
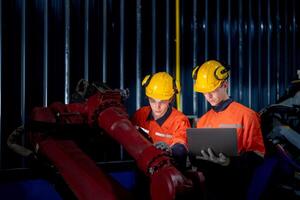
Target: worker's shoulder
{"type": "Point", "coordinates": [242, 109]}
{"type": "Point", "coordinates": [178, 114]}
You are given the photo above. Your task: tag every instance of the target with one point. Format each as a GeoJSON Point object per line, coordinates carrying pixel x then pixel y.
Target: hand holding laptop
{"type": "Point", "coordinates": [163, 146]}
{"type": "Point", "coordinates": [209, 155]}
{"type": "Point", "coordinates": [219, 140]}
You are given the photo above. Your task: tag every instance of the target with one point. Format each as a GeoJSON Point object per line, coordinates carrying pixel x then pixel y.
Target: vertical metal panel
{"type": "Point", "coordinates": [278, 46]}
{"type": "Point", "coordinates": [206, 40]}
{"type": "Point", "coordinates": [294, 36]}
{"type": "Point", "coordinates": [195, 39]}
{"type": "Point", "coordinates": [23, 60]}
{"type": "Point", "coordinates": [153, 43]}
{"type": "Point", "coordinates": [67, 51]}
{"type": "Point", "coordinates": [104, 42]}
{"type": "Point", "coordinates": [240, 50]}
{"type": "Point", "coordinates": [138, 51]}
{"type": "Point", "coordinates": [268, 27]}
{"type": "Point", "coordinates": [250, 34]}
{"type": "Point", "coordinates": [229, 41]}
{"type": "Point", "coordinates": [259, 30]}
{"type": "Point", "coordinates": [286, 39]}
{"type": "Point", "coordinates": [23, 68]}
{"type": "Point", "coordinates": [122, 35]}
{"type": "Point", "coordinates": [257, 60]}
{"type": "Point", "coordinates": [206, 29]}
{"type": "Point", "coordinates": [218, 30]}
{"type": "Point", "coordinates": [45, 67]}
{"type": "Point", "coordinates": [167, 36]}
{"type": "Point", "coordinates": [86, 39]}
{"type": "Point", "coordinates": [122, 32]}
{"type": "Point", "coordinates": [1, 84]}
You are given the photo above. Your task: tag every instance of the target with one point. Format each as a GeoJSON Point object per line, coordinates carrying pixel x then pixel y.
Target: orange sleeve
{"type": "Point", "coordinates": [253, 139]}
{"type": "Point", "coordinates": [179, 134]}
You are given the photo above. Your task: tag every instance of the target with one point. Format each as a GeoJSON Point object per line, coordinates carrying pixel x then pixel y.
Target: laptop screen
{"type": "Point", "coordinates": [220, 140]}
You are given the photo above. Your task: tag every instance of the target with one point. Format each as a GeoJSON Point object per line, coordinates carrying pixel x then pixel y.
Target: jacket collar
{"type": "Point", "coordinates": [222, 105]}
{"type": "Point", "coordinates": [161, 120]}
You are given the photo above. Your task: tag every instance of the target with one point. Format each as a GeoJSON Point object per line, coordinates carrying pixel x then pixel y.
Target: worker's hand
{"type": "Point", "coordinates": [209, 155]}
{"type": "Point", "coordinates": [163, 146]}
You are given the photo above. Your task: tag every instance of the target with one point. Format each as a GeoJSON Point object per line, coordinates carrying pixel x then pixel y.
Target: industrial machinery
{"type": "Point", "coordinates": [98, 107]}
{"type": "Point", "coordinates": [279, 176]}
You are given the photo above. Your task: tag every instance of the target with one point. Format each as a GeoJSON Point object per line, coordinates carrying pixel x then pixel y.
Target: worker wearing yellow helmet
{"type": "Point", "coordinates": [209, 76]}
{"type": "Point", "coordinates": [159, 121]}
{"type": "Point", "coordinates": [211, 80]}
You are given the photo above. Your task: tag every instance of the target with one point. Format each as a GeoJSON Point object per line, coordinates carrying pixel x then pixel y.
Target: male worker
{"type": "Point", "coordinates": [229, 175]}
{"type": "Point", "coordinates": [163, 125]}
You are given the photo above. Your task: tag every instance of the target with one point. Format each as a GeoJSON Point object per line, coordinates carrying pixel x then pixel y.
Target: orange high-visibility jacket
{"type": "Point", "coordinates": [245, 120]}
{"type": "Point", "coordinates": [172, 131]}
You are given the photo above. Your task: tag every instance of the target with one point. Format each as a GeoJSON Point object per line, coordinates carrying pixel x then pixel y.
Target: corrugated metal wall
{"type": "Point", "coordinates": [46, 46]}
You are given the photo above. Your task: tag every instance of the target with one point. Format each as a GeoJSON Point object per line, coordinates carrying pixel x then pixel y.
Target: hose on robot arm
{"type": "Point", "coordinates": [12, 143]}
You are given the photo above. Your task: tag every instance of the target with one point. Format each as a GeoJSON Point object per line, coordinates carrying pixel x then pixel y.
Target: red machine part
{"type": "Point", "coordinates": [81, 174]}
{"type": "Point", "coordinates": [105, 110]}
{"type": "Point", "coordinates": [166, 180]}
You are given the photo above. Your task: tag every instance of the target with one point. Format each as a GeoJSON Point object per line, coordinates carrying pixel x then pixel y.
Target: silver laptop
{"type": "Point", "coordinates": [220, 140]}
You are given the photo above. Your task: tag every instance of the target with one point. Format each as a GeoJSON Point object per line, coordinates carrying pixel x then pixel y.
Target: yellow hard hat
{"type": "Point", "coordinates": [161, 86]}
{"type": "Point", "coordinates": [209, 76]}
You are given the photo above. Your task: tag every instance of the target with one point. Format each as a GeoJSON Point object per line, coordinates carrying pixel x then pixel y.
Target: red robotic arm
{"type": "Point", "coordinates": [105, 110]}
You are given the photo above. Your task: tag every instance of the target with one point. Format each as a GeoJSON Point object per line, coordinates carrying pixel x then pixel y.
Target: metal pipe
{"type": "Point", "coordinates": [138, 51]}
{"type": "Point", "coordinates": [178, 96]}
{"type": "Point", "coordinates": [86, 40]}
{"type": "Point", "coordinates": [153, 67]}
{"type": "Point", "coordinates": [167, 36]}
{"type": "Point", "coordinates": [104, 43]}
{"type": "Point", "coordinates": [67, 51]}
{"type": "Point", "coordinates": [45, 69]}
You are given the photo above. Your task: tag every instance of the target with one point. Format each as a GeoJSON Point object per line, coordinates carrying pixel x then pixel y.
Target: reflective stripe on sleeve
{"type": "Point", "coordinates": [163, 135]}
{"type": "Point", "coordinates": [230, 126]}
